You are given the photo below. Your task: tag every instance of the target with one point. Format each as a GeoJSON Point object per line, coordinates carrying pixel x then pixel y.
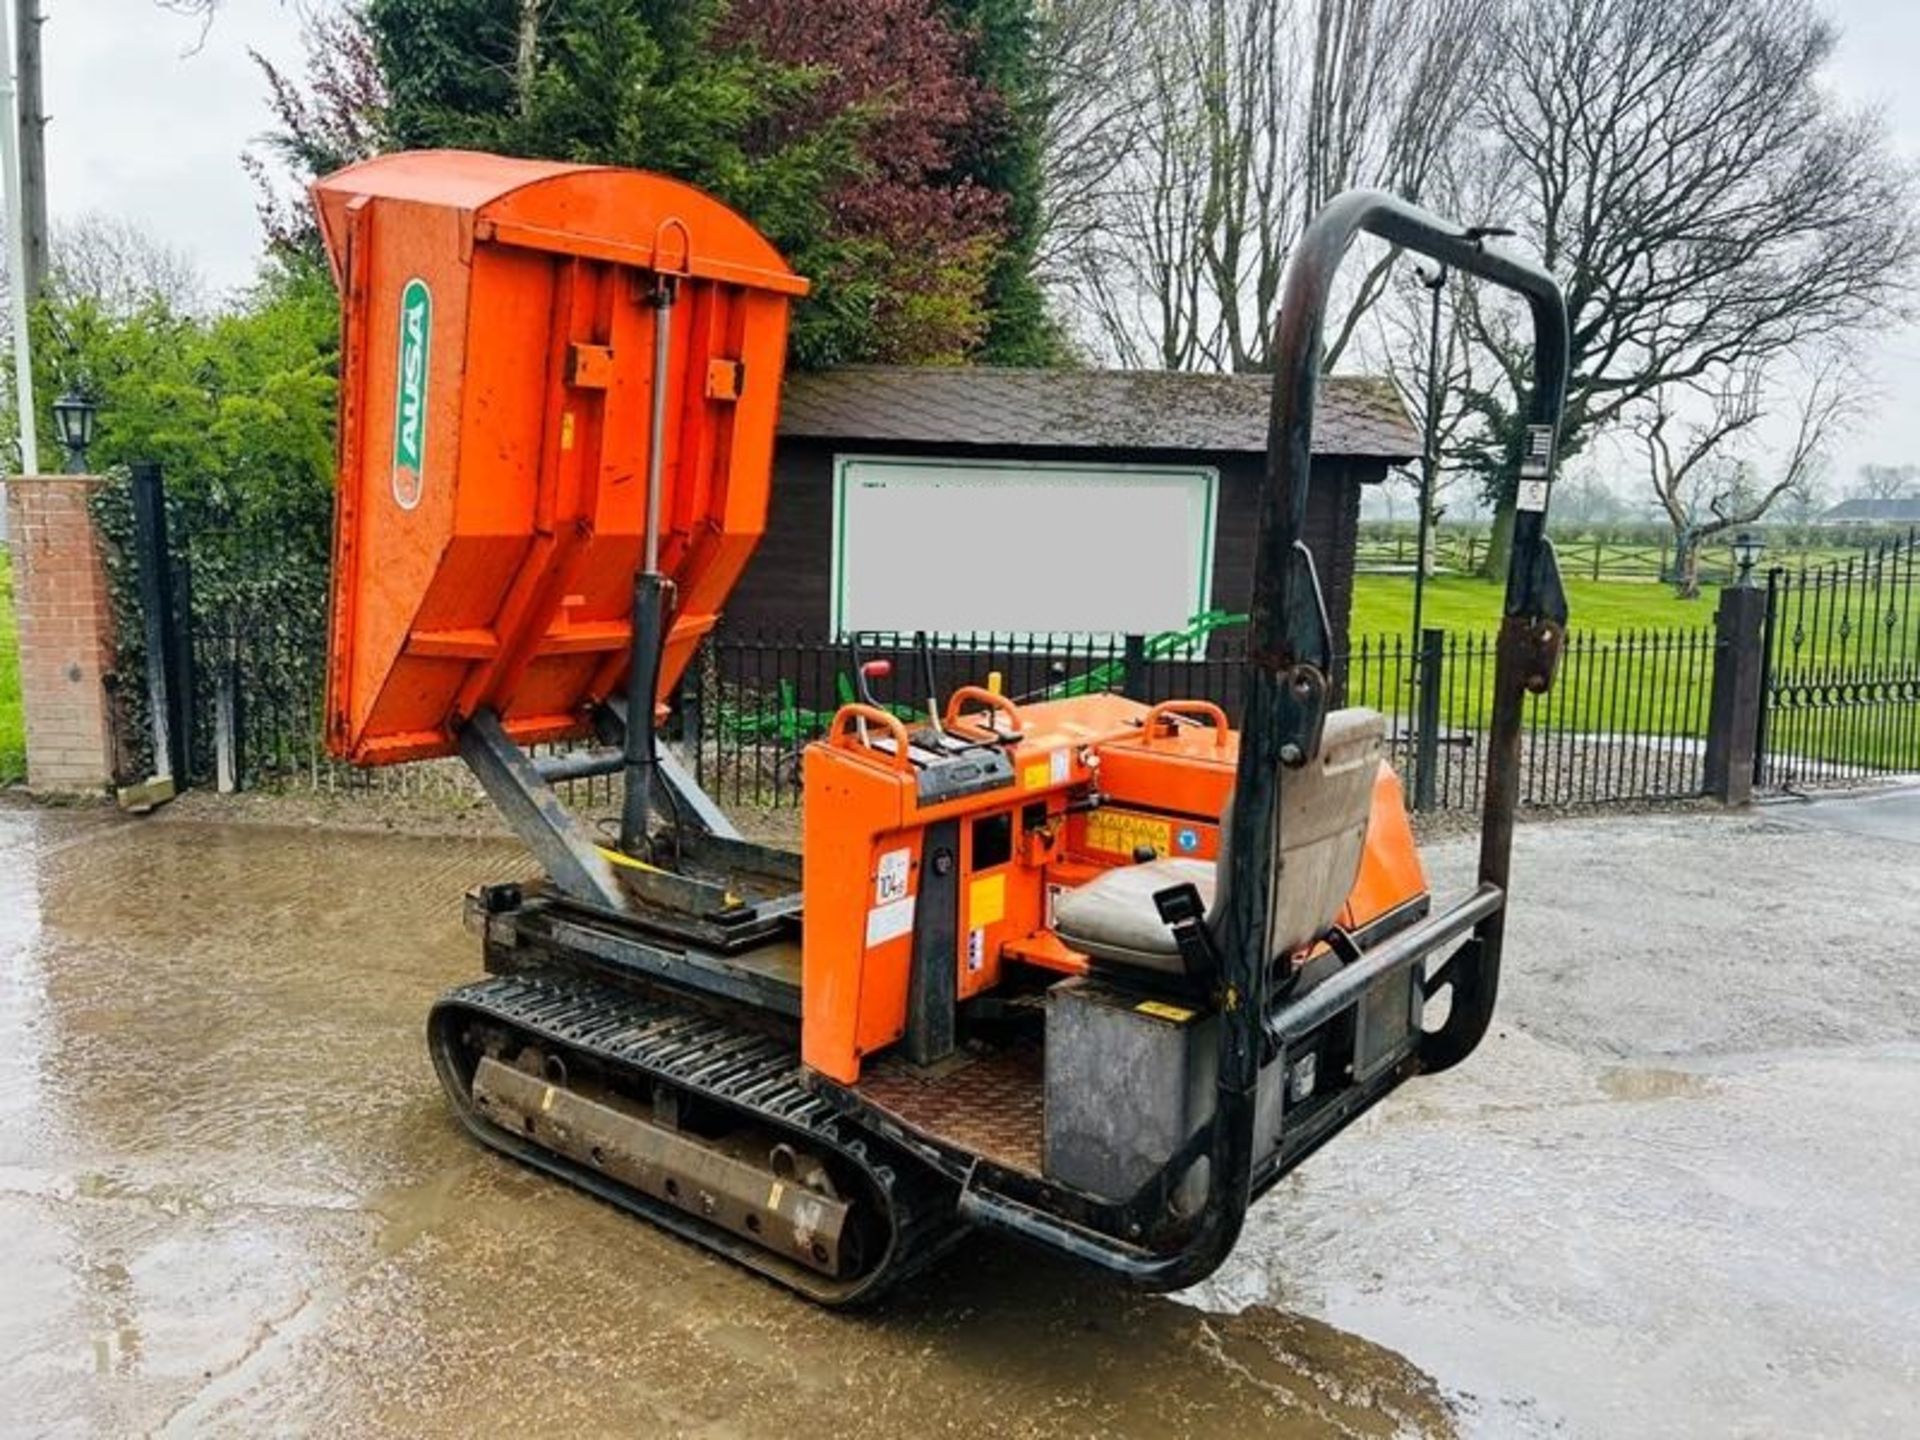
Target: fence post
{"type": "Point", "coordinates": [1133, 668]}
{"type": "Point", "coordinates": [1426, 754]}
{"type": "Point", "coordinates": [692, 716]}
{"type": "Point", "coordinates": [157, 597]}
{"type": "Point", "coordinates": [693, 710]}
{"type": "Point", "coordinates": [1734, 707]}
{"type": "Point", "coordinates": [181, 691]}
{"type": "Point", "coordinates": [227, 759]}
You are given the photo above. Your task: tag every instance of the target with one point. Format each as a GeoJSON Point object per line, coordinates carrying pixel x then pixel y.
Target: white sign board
{"type": "Point", "coordinates": [1020, 548]}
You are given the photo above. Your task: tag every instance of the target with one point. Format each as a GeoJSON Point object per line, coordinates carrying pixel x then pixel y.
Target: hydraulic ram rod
{"type": "Point", "coordinates": [649, 599]}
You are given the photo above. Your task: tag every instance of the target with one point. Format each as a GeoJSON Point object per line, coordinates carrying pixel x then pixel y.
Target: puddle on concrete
{"type": "Point", "coordinates": [406, 1212]}
{"type": "Point", "coordinates": [1652, 1083]}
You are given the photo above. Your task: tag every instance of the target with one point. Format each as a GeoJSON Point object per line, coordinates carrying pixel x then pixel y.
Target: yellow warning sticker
{"type": "Point", "coordinates": [773, 1195]}
{"type": "Point", "coordinates": [1035, 777]}
{"type": "Point", "coordinates": [987, 901]}
{"type": "Point", "coordinates": [546, 1100]}
{"type": "Point", "coordinates": [566, 429]}
{"type": "Point", "coordinates": [1160, 1010]}
{"type": "Point", "coordinates": [1121, 832]}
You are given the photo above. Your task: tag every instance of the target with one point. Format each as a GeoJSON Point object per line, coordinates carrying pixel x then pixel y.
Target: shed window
{"type": "Point", "coordinates": [1020, 548]}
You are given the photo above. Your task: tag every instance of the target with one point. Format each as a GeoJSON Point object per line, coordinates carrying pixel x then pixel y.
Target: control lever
{"type": "Point", "coordinates": [932, 688]}
{"type": "Point", "coordinates": [864, 677]}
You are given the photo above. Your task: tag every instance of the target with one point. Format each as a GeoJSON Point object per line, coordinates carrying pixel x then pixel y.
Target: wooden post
{"type": "Point", "coordinates": [1736, 701]}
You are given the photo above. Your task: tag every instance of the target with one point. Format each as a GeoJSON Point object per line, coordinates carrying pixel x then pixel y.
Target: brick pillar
{"type": "Point", "coordinates": [66, 631]}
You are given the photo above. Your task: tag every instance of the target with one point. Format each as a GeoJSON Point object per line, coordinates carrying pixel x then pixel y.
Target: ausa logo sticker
{"type": "Point", "coordinates": [410, 407]}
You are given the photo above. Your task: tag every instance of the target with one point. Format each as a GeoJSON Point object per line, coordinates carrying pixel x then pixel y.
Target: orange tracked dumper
{"type": "Point", "coordinates": [1085, 971]}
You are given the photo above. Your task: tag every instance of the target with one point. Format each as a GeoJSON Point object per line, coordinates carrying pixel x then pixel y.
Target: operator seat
{"type": "Point", "coordinates": [1322, 821]}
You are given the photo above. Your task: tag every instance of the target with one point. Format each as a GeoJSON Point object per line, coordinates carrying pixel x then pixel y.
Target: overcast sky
{"type": "Point", "coordinates": [149, 123]}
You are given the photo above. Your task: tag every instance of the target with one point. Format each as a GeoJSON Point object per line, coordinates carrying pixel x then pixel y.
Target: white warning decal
{"type": "Point", "coordinates": [891, 883]}
{"type": "Point", "coordinates": [889, 922]}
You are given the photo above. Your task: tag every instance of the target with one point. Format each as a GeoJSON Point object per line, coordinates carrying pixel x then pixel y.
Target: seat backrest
{"type": "Point", "coordinates": [1322, 823]}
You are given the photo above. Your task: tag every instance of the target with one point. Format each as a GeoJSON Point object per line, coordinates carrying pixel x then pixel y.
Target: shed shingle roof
{"type": "Point", "coordinates": [1085, 409]}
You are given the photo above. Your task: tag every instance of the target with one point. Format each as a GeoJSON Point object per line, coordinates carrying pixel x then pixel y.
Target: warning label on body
{"type": "Point", "coordinates": [1121, 832]}
{"type": "Point", "coordinates": [891, 882]}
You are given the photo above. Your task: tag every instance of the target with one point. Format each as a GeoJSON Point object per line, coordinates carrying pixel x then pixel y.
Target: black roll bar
{"type": "Point", "coordinates": [1287, 695]}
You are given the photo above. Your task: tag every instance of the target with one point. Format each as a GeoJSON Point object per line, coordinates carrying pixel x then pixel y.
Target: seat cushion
{"type": "Point", "coordinates": [1113, 917]}
{"type": "Point", "coordinates": [1323, 816]}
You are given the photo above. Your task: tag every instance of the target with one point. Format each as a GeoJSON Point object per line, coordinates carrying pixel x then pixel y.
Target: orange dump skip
{"type": "Point", "coordinates": [496, 399]}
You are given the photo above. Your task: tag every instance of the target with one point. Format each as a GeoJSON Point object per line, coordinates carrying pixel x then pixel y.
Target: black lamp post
{"type": "Point", "coordinates": [74, 414]}
{"type": "Point", "coordinates": [1747, 550]}
{"type": "Point", "coordinates": [1435, 280]}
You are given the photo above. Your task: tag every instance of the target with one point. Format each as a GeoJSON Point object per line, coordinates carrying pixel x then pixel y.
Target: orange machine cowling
{"type": "Point", "coordinates": [1161, 785]}
{"type": "Point", "coordinates": [490, 511]}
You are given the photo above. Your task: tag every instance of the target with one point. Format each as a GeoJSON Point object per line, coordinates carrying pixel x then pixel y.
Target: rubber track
{"type": "Point", "coordinates": [755, 1074]}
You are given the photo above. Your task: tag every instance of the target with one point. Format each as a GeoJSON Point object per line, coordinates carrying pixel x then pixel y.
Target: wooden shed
{"type": "Point", "coordinates": [1034, 501]}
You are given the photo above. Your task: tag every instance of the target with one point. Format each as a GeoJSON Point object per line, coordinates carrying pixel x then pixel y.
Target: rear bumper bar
{"type": "Point", "coordinates": [1347, 988]}
{"type": "Point", "coordinates": [1096, 1232]}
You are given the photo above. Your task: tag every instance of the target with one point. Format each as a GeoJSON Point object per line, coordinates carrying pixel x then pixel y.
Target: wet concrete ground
{"type": "Point", "coordinates": [1673, 1194]}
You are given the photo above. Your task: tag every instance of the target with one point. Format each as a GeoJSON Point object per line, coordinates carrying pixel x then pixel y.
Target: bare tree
{"type": "Point", "coordinates": [329, 117]}
{"type": "Point", "coordinates": [1585, 498]}
{"type": "Point", "coordinates": [1802, 502]}
{"type": "Point", "coordinates": [1243, 117]}
{"type": "Point", "coordinates": [1088, 51]}
{"type": "Point", "coordinates": [111, 267]}
{"type": "Point", "coordinates": [117, 265]}
{"type": "Point", "coordinates": [1703, 473]}
{"type": "Point", "coordinates": [1885, 482]}
{"type": "Point", "coordinates": [1710, 207]}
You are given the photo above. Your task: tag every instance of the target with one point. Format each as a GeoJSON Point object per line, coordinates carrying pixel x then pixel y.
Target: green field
{"type": "Point", "coordinates": [1383, 605]}
{"type": "Point", "coordinates": [1630, 554]}
{"type": "Point", "coordinates": [13, 731]}
{"type": "Point", "coordinates": [1637, 660]}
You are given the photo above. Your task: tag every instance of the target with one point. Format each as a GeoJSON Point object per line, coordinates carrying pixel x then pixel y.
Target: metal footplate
{"type": "Point", "coordinates": [695, 1123]}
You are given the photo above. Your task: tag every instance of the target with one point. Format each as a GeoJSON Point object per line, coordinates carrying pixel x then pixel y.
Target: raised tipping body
{"type": "Point", "coordinates": [497, 390]}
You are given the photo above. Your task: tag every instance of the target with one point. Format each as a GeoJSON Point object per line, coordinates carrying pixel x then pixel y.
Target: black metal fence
{"type": "Point", "coordinates": [1841, 669]}
{"type": "Point", "coordinates": [259, 651]}
{"type": "Point", "coordinates": [1626, 720]}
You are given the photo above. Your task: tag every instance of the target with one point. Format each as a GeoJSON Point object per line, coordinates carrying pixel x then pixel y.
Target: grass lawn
{"type": "Point", "coordinates": [1383, 605]}
{"type": "Point", "coordinates": [1637, 661]}
{"type": "Point", "coordinates": [13, 725]}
